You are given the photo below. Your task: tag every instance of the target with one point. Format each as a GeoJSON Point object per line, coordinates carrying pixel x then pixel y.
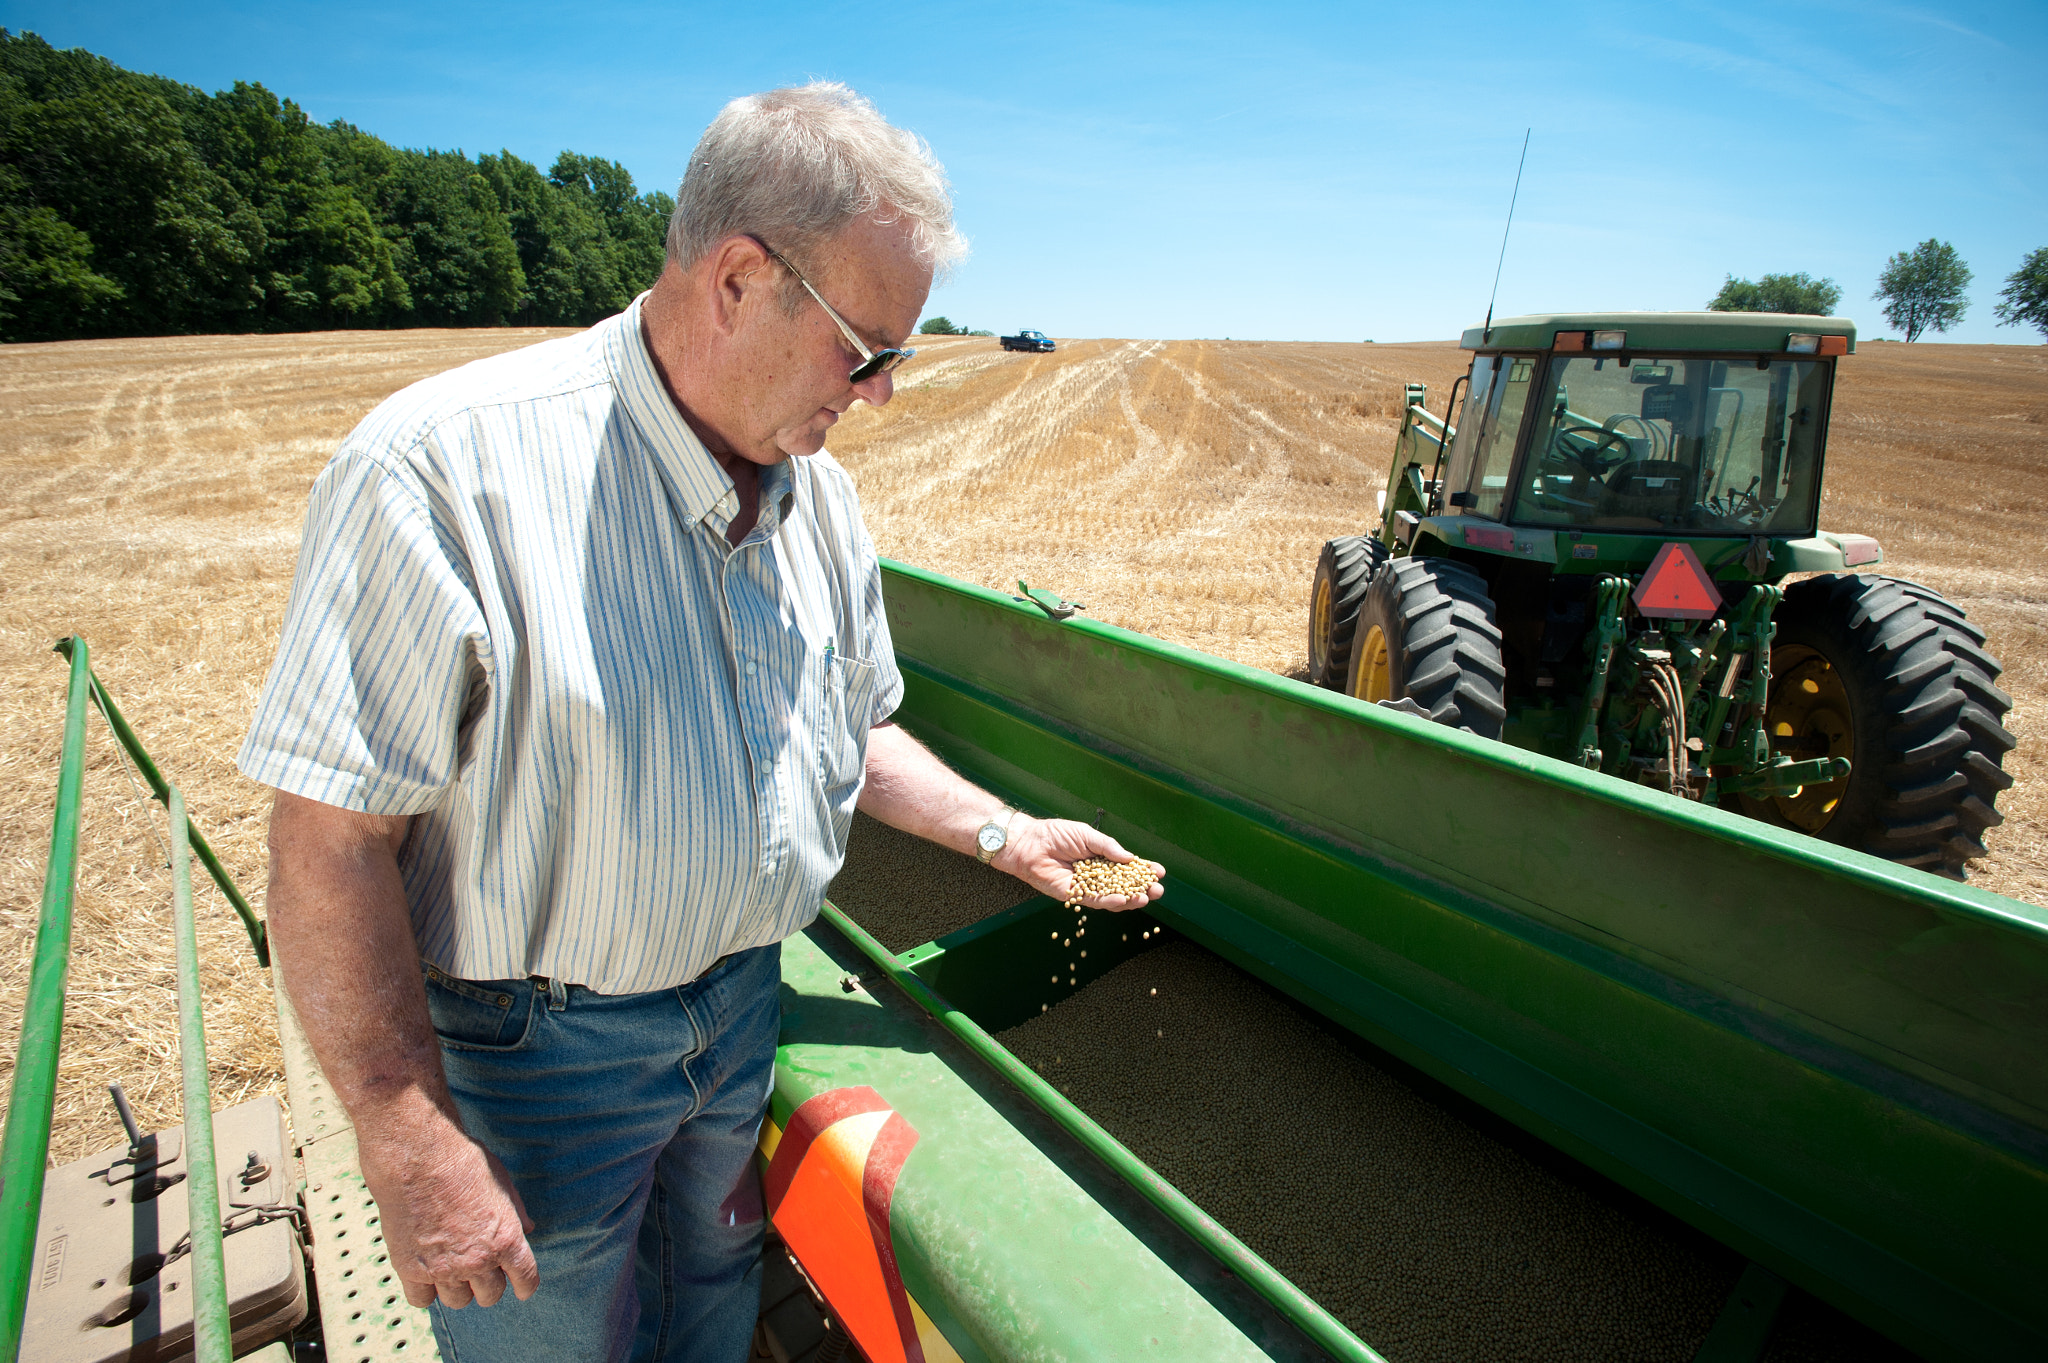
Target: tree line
{"type": "Point", "coordinates": [134, 205]}
{"type": "Point", "coordinates": [1921, 289]}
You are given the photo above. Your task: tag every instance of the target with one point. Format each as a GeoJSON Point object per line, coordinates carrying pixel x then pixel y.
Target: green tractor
{"type": "Point", "coordinates": [1591, 564]}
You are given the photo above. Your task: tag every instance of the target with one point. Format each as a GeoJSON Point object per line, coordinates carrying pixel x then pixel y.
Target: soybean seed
{"type": "Point", "coordinates": [1095, 877]}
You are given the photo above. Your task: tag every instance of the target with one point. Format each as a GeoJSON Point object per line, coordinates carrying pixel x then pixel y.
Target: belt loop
{"type": "Point", "coordinates": [558, 996]}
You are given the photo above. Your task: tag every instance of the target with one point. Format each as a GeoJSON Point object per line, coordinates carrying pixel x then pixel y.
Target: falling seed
{"type": "Point", "coordinates": [1084, 955]}
{"type": "Point", "coordinates": [1155, 993]}
{"type": "Point", "coordinates": [1055, 937]}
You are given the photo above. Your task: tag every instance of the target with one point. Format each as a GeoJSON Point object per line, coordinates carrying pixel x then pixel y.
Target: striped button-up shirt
{"type": "Point", "coordinates": [627, 747]}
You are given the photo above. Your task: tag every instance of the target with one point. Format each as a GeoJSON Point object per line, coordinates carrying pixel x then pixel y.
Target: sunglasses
{"type": "Point", "coordinates": [872, 362]}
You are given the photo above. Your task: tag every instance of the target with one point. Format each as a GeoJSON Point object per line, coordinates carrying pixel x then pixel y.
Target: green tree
{"type": "Point", "coordinates": [47, 284]}
{"type": "Point", "coordinates": [570, 262]}
{"type": "Point", "coordinates": [130, 204]}
{"type": "Point", "coordinates": [454, 245]}
{"type": "Point", "coordinates": [1922, 289]}
{"type": "Point", "coordinates": [322, 261]}
{"type": "Point", "coordinates": [2024, 299]}
{"type": "Point", "coordinates": [637, 223]}
{"type": "Point", "coordinates": [105, 152]}
{"type": "Point", "coordinates": [939, 326]}
{"type": "Point", "coordinates": [1778, 293]}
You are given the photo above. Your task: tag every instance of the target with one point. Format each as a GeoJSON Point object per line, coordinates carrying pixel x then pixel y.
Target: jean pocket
{"type": "Point", "coordinates": [479, 1015]}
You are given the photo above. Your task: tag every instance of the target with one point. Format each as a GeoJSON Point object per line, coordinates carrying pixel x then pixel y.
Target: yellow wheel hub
{"type": "Point", "coordinates": [1372, 677]}
{"type": "Point", "coordinates": [1809, 717]}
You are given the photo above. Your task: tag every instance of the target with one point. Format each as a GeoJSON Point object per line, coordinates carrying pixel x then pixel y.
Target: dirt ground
{"type": "Point", "coordinates": [151, 493]}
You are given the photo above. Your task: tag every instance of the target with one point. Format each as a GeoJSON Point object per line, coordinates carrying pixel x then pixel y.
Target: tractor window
{"type": "Point", "coordinates": [1680, 442]}
{"type": "Point", "coordinates": [1477, 476]}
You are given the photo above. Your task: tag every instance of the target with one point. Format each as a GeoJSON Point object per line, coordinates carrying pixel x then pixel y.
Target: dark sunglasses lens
{"type": "Point", "coordinates": [881, 362]}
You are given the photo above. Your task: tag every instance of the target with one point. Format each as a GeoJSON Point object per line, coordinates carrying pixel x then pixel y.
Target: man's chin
{"type": "Point", "coordinates": [803, 440]}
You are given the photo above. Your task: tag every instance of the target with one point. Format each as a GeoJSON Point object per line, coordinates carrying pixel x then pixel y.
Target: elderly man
{"type": "Point", "coordinates": [584, 671]}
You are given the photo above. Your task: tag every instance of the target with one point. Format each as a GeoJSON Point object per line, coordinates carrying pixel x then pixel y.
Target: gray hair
{"type": "Point", "coordinates": [794, 167]}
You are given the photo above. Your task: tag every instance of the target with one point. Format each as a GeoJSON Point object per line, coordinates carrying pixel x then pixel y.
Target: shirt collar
{"type": "Point", "coordinates": [699, 489]}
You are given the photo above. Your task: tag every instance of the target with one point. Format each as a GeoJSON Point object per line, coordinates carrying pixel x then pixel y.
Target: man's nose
{"type": "Point", "coordinates": [877, 389]}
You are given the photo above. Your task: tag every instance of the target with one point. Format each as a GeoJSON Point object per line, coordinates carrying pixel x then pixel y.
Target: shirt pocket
{"type": "Point", "coordinates": [843, 713]}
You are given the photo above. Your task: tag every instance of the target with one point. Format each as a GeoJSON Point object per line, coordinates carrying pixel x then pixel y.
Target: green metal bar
{"type": "Point", "coordinates": [258, 936]}
{"type": "Point", "coordinates": [1318, 1324]}
{"type": "Point", "coordinates": [34, 1093]}
{"type": "Point", "coordinates": [211, 1337]}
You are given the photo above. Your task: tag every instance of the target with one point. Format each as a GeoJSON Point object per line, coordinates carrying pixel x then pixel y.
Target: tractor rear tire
{"type": "Point", "coordinates": [1890, 675]}
{"type": "Point", "coordinates": [1343, 572]}
{"type": "Point", "coordinates": [1426, 631]}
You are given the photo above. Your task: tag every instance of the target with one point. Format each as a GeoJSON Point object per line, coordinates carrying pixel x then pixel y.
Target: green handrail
{"type": "Point", "coordinates": [259, 938]}
{"type": "Point", "coordinates": [1318, 1324]}
{"type": "Point", "coordinates": [213, 1341]}
{"type": "Point", "coordinates": [34, 1093]}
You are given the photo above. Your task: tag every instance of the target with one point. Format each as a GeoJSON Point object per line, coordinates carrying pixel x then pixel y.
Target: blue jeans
{"type": "Point", "coordinates": [628, 1123]}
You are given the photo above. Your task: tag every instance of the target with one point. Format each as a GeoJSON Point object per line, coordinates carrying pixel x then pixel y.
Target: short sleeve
{"type": "Point", "coordinates": [383, 652]}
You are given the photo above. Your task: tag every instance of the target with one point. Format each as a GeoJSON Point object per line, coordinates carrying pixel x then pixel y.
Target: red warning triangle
{"type": "Point", "coordinates": [1677, 586]}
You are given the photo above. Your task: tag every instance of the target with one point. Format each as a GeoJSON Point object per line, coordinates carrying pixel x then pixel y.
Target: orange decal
{"type": "Point", "coordinates": [828, 1189]}
{"type": "Point", "coordinates": [1677, 585]}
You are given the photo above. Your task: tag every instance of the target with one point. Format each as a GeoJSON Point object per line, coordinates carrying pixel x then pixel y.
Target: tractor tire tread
{"type": "Point", "coordinates": [1931, 735]}
{"type": "Point", "coordinates": [1349, 564]}
{"type": "Point", "coordinates": [1448, 657]}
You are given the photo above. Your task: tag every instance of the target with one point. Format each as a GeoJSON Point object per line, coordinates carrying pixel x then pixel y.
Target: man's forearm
{"type": "Point", "coordinates": [339, 918]}
{"type": "Point", "coordinates": [908, 788]}
{"type": "Point", "coordinates": [454, 1223]}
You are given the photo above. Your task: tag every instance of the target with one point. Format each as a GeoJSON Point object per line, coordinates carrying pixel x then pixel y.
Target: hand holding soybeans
{"type": "Point", "coordinates": [1079, 865]}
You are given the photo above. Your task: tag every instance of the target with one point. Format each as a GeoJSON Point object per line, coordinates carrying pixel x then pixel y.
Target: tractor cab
{"type": "Point", "coordinates": [1665, 423]}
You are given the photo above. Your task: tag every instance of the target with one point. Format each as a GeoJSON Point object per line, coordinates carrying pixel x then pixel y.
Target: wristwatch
{"type": "Point", "coordinates": [994, 835]}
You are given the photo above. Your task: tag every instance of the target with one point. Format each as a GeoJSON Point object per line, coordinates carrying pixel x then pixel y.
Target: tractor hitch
{"type": "Point", "coordinates": [1785, 777]}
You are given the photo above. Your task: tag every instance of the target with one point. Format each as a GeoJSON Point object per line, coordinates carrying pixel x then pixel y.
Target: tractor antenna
{"type": "Point", "coordinates": [1488, 334]}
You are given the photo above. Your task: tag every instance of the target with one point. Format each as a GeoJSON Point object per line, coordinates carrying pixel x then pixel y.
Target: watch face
{"type": "Point", "coordinates": [990, 838]}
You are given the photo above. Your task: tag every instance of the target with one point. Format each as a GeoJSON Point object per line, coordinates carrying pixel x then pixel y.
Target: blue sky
{"type": "Point", "coordinates": [1297, 172]}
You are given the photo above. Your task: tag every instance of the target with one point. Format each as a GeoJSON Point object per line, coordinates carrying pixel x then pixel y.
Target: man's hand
{"type": "Point", "coordinates": [455, 1225]}
{"type": "Point", "coordinates": [1042, 853]}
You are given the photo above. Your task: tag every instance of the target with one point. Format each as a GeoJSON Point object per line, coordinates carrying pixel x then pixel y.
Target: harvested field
{"type": "Point", "coordinates": [151, 493]}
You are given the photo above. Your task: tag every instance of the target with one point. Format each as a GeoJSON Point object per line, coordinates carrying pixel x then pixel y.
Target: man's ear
{"type": "Point", "coordinates": [742, 276]}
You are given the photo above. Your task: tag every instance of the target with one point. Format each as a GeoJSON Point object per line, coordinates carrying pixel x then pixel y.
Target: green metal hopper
{"type": "Point", "coordinates": [1837, 1066]}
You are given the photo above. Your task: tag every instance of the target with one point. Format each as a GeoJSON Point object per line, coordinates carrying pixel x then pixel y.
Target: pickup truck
{"type": "Point", "coordinates": [1027, 340]}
